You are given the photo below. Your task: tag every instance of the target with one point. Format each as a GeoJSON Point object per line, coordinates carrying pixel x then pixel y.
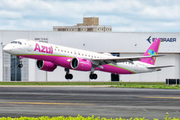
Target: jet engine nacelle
{"type": "Point", "coordinates": [45, 65]}
{"type": "Point", "coordinates": [81, 64]}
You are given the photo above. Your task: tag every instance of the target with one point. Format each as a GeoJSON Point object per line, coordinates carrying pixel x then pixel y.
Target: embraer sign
{"type": "Point", "coordinates": [162, 39]}
{"type": "Point", "coordinates": [166, 39]}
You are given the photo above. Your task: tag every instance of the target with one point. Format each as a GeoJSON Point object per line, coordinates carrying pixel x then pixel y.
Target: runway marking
{"type": "Point", "coordinates": [42, 103]}
{"type": "Point", "coordinates": [160, 97]}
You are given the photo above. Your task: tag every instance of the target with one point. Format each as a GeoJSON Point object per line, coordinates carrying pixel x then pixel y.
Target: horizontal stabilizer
{"type": "Point", "coordinates": [157, 55]}
{"type": "Point", "coordinates": [155, 67]}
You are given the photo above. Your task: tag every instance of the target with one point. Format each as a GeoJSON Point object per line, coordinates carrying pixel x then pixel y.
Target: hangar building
{"type": "Point", "coordinates": [120, 43]}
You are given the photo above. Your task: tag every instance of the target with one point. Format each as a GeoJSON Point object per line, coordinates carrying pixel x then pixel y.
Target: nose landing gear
{"type": "Point", "coordinates": [20, 64]}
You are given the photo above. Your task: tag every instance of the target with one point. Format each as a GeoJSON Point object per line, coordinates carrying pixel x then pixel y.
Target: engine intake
{"type": "Point", "coordinates": [45, 65]}
{"type": "Point", "coordinates": [81, 64]}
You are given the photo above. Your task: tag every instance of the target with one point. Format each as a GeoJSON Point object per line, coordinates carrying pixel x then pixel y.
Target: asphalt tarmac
{"type": "Point", "coordinates": [87, 101]}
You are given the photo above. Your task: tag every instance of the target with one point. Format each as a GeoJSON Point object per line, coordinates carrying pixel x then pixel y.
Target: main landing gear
{"type": "Point", "coordinates": [20, 63]}
{"type": "Point", "coordinates": [93, 76]}
{"type": "Point", "coordinates": [68, 76]}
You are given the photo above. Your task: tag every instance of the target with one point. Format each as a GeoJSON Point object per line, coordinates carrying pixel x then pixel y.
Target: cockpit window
{"type": "Point", "coordinates": [16, 42]}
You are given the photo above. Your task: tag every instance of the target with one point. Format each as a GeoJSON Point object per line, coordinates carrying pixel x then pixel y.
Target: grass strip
{"type": "Point", "coordinates": [148, 85]}
{"type": "Point", "coordinates": [80, 83]}
{"type": "Point", "coordinates": [157, 85]}
{"type": "Point", "coordinates": [79, 118]}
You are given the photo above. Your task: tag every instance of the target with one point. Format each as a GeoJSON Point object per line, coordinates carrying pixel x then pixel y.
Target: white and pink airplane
{"type": "Point", "coordinates": [50, 56]}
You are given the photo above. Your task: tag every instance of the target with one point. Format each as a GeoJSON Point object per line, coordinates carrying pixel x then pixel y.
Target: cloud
{"type": "Point", "coordinates": [10, 15]}
{"type": "Point", "coordinates": [123, 15]}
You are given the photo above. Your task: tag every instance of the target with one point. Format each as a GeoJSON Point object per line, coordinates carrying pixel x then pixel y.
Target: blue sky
{"type": "Point", "coordinates": [122, 15]}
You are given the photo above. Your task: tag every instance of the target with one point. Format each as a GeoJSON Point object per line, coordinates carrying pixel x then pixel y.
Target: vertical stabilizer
{"type": "Point", "coordinates": [152, 50]}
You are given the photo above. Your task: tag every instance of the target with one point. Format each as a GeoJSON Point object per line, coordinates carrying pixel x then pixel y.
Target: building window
{"type": "Point", "coordinates": [115, 54]}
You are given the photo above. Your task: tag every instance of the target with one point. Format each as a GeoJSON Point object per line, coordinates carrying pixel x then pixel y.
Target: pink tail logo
{"type": "Point", "coordinates": [44, 49]}
{"type": "Point", "coordinates": [151, 53]}
{"type": "Point", "coordinates": [152, 50]}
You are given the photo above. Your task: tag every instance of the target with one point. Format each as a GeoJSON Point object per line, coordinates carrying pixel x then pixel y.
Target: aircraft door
{"type": "Point", "coordinates": [30, 46]}
{"type": "Point", "coordinates": [136, 67]}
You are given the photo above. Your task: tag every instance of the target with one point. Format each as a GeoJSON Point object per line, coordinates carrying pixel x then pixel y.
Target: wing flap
{"type": "Point", "coordinates": [123, 59]}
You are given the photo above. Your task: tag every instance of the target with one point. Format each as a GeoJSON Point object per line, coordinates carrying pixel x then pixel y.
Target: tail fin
{"type": "Point", "coordinates": [152, 50]}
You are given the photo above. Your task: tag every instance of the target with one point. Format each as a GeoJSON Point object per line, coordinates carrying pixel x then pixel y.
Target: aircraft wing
{"type": "Point", "coordinates": [102, 61]}
{"type": "Point", "coordinates": [155, 67]}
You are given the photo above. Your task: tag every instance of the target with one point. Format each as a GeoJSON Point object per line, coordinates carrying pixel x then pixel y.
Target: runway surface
{"type": "Point", "coordinates": [87, 101]}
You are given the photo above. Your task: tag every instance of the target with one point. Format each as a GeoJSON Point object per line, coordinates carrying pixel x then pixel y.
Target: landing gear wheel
{"type": "Point", "coordinates": [68, 76]}
{"type": "Point", "coordinates": [20, 65]}
{"type": "Point", "coordinates": [93, 76]}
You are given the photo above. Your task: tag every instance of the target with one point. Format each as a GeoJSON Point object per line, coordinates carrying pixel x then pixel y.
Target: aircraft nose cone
{"type": "Point", "coordinates": [6, 49]}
